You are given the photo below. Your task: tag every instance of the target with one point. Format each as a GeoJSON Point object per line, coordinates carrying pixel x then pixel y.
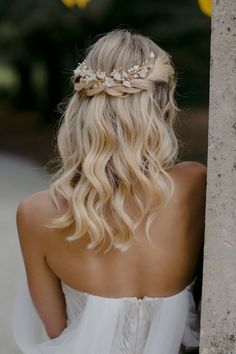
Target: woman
{"type": "Point", "coordinates": [111, 250]}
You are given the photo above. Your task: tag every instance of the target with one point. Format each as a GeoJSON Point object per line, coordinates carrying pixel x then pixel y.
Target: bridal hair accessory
{"type": "Point", "coordinates": [99, 79]}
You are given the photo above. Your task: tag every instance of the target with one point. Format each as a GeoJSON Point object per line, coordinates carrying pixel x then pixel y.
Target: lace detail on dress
{"type": "Point", "coordinates": [147, 311]}
{"type": "Point", "coordinates": [75, 302]}
{"type": "Point", "coordinates": [134, 324]}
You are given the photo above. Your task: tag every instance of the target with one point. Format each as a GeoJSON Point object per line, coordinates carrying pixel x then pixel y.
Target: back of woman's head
{"type": "Point", "coordinates": [117, 132]}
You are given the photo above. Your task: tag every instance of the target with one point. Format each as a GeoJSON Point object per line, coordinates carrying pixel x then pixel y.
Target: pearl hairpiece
{"type": "Point", "coordinates": [117, 76]}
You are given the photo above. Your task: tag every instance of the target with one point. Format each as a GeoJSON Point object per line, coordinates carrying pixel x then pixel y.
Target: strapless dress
{"type": "Point", "coordinates": [104, 325]}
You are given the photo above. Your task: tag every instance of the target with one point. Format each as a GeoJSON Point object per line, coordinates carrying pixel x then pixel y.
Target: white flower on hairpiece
{"type": "Point", "coordinates": [143, 73]}
{"type": "Point", "coordinates": [152, 56]}
{"type": "Point", "coordinates": [126, 83]}
{"type": "Point", "coordinates": [117, 76]}
{"type": "Point", "coordinates": [109, 82]}
{"type": "Point", "coordinates": [91, 77]}
{"type": "Point", "coordinates": [101, 75]}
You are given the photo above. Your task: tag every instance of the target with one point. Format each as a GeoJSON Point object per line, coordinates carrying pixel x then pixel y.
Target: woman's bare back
{"type": "Point", "coordinates": [142, 270]}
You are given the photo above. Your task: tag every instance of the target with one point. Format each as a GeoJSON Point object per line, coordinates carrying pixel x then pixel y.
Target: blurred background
{"type": "Point", "coordinates": [41, 42]}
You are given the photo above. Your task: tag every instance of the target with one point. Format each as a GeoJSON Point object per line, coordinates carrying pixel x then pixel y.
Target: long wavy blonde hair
{"type": "Point", "coordinates": [111, 139]}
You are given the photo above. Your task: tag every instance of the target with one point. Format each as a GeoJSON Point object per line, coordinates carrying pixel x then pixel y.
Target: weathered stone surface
{"type": "Point", "coordinates": [218, 322]}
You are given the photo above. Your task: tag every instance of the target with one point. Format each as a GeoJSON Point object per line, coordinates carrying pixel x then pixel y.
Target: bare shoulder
{"type": "Point", "coordinates": [33, 212]}
{"type": "Point", "coordinates": [38, 203]}
{"type": "Point", "coordinates": [190, 180]}
{"type": "Point", "coordinates": [193, 168]}
{"type": "Point", "coordinates": [190, 173]}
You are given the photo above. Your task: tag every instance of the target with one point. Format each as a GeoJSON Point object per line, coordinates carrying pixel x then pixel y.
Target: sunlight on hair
{"type": "Point", "coordinates": [114, 139]}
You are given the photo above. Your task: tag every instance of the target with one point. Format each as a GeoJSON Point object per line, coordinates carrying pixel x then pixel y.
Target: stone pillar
{"type": "Point", "coordinates": [218, 322]}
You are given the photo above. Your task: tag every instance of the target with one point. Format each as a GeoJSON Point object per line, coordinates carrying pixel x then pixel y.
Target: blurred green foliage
{"type": "Point", "coordinates": [42, 41]}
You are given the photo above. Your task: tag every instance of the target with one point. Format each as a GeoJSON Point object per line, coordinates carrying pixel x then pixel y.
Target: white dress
{"type": "Point", "coordinates": [103, 325]}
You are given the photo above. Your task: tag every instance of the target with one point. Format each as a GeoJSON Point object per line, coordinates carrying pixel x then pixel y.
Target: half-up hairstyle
{"type": "Point", "coordinates": [111, 138]}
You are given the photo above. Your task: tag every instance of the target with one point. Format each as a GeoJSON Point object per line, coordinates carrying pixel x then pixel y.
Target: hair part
{"type": "Point", "coordinates": [110, 140]}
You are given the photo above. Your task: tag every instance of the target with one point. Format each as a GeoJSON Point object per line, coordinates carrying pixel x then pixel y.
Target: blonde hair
{"type": "Point", "coordinates": [110, 139]}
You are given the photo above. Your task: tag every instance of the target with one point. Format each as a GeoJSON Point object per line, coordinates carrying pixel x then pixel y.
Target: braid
{"type": "Point", "coordinates": [118, 90]}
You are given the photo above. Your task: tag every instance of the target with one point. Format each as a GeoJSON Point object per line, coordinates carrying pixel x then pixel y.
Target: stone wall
{"type": "Point", "coordinates": [218, 322]}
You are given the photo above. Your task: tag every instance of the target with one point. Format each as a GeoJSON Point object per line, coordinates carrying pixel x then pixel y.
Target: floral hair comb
{"type": "Point", "coordinates": [117, 76]}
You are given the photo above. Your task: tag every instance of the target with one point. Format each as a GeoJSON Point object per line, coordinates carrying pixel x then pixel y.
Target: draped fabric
{"type": "Point", "coordinates": [100, 325]}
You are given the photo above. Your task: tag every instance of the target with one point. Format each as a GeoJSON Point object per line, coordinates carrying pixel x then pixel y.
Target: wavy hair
{"type": "Point", "coordinates": [111, 139]}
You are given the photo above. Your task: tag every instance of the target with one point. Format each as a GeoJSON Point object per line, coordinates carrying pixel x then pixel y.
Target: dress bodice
{"type": "Point", "coordinates": [104, 325]}
{"type": "Point", "coordinates": [135, 317]}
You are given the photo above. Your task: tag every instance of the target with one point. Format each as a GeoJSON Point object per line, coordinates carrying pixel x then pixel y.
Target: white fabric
{"type": "Point", "coordinates": [100, 325]}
